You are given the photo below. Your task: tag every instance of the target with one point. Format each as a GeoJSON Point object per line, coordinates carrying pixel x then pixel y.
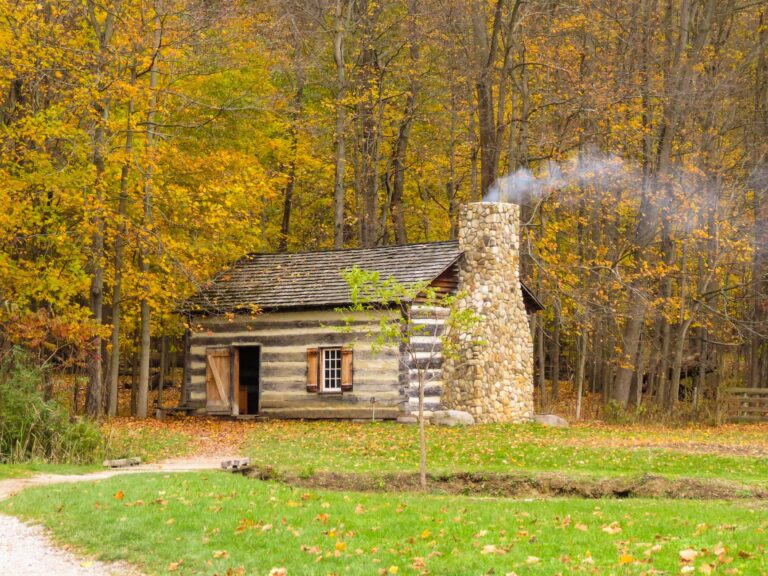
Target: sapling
{"type": "Point", "coordinates": [372, 294]}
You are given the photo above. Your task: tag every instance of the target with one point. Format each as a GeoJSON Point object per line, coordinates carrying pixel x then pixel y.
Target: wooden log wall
{"type": "Point", "coordinates": [425, 355]}
{"type": "Point", "coordinates": [284, 338]}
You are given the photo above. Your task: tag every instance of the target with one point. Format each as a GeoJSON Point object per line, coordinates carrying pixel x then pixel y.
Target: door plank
{"type": "Point", "coordinates": [219, 385]}
{"type": "Point", "coordinates": [218, 379]}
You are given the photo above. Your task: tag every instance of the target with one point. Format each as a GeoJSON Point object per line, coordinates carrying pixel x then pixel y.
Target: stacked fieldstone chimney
{"type": "Point", "coordinates": [491, 376]}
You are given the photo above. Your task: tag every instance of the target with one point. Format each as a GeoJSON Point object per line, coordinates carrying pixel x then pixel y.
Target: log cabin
{"type": "Point", "coordinates": [268, 336]}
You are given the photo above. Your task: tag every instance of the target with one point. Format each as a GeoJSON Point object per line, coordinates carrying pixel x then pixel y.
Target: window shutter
{"type": "Point", "coordinates": [312, 369]}
{"type": "Point", "coordinates": [346, 369]}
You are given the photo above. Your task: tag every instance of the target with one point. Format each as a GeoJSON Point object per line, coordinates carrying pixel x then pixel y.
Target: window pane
{"type": "Point", "coordinates": [332, 369]}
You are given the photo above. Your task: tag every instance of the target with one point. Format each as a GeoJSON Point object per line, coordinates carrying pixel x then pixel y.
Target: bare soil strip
{"type": "Point", "coordinates": [521, 486]}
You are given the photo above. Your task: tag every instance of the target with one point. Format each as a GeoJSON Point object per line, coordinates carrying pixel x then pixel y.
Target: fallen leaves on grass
{"type": "Point", "coordinates": [688, 555]}
{"type": "Point", "coordinates": [612, 528]}
{"type": "Point", "coordinates": [626, 559]}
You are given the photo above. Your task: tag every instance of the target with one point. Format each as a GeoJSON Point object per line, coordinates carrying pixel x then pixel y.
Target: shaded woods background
{"type": "Point", "coordinates": [146, 143]}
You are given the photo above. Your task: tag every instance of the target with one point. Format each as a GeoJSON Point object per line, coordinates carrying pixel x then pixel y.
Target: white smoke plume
{"type": "Point", "coordinates": [591, 168]}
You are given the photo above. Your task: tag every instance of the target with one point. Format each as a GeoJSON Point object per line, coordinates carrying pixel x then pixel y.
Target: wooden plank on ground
{"type": "Point", "coordinates": [122, 462]}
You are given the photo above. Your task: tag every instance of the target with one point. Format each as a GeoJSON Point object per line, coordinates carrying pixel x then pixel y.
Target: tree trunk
{"type": "Point", "coordinates": [398, 168]}
{"type": "Point", "coordinates": [103, 31]}
{"type": "Point", "coordinates": [163, 369]}
{"type": "Point", "coordinates": [369, 99]}
{"type": "Point", "coordinates": [638, 398]}
{"type": "Point", "coordinates": [474, 153]}
{"type": "Point", "coordinates": [151, 143]}
{"type": "Point", "coordinates": [94, 395]}
{"type": "Point", "coordinates": [290, 185]}
{"type": "Point", "coordinates": [117, 290]}
{"type": "Point", "coordinates": [634, 325]}
{"type": "Point", "coordinates": [490, 83]}
{"type": "Point", "coordinates": [400, 148]}
{"type": "Point", "coordinates": [581, 362]}
{"type": "Point", "coordinates": [341, 123]}
{"type": "Point", "coordinates": [554, 356]}
{"type": "Point", "coordinates": [135, 376]}
{"type": "Point", "coordinates": [542, 364]}
{"type": "Point", "coordinates": [422, 435]}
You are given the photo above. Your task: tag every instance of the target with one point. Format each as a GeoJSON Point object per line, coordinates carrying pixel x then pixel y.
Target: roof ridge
{"type": "Point", "coordinates": [358, 249]}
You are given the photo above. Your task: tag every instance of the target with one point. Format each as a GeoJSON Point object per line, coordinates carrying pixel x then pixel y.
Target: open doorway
{"type": "Point", "coordinates": [250, 379]}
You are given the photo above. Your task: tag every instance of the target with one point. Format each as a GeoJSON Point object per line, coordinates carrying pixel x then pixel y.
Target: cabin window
{"type": "Point", "coordinates": [331, 370]}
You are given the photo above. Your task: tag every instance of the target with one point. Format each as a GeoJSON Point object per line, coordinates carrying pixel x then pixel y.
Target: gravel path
{"type": "Point", "coordinates": [26, 550]}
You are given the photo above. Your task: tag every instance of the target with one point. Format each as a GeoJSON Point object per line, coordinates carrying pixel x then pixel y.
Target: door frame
{"type": "Point", "coordinates": [237, 347]}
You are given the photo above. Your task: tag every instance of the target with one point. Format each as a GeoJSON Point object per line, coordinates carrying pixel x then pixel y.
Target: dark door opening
{"type": "Point", "coordinates": [250, 378]}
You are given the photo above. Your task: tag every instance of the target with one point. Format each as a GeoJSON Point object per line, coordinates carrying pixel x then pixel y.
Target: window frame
{"type": "Point", "coordinates": [321, 366]}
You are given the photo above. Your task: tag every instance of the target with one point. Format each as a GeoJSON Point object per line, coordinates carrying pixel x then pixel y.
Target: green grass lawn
{"type": "Point", "coordinates": [305, 447]}
{"type": "Point", "coordinates": [226, 524]}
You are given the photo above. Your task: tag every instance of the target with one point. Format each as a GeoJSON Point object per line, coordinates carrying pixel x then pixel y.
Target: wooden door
{"type": "Point", "coordinates": [218, 380]}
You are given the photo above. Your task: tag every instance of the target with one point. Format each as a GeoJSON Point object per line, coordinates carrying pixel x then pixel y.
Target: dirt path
{"type": "Point", "coordinates": [27, 550]}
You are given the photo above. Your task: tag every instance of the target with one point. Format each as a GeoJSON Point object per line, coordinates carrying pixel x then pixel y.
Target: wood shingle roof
{"type": "Point", "coordinates": [314, 279]}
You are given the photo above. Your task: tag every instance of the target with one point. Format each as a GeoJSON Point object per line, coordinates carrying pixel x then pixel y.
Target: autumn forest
{"type": "Point", "coordinates": [148, 143]}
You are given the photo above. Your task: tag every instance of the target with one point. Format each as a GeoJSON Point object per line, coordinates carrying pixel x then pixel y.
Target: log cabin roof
{"type": "Point", "coordinates": [314, 279]}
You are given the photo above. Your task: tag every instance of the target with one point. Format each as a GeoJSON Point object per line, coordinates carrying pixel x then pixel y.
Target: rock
{"type": "Point", "coordinates": [236, 464]}
{"type": "Point", "coordinates": [452, 418]}
{"type": "Point", "coordinates": [407, 419]}
{"type": "Point", "coordinates": [550, 420]}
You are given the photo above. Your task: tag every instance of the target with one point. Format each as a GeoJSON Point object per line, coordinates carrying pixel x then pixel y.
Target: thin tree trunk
{"type": "Point", "coordinates": [117, 290]}
{"type": "Point", "coordinates": [422, 435]}
{"type": "Point", "coordinates": [555, 356]}
{"type": "Point", "coordinates": [341, 125]}
{"type": "Point", "coordinates": [398, 168]}
{"type": "Point", "coordinates": [94, 395]}
{"type": "Point", "coordinates": [290, 185]}
{"type": "Point", "coordinates": [135, 375]}
{"type": "Point", "coordinates": [151, 142]}
{"type": "Point", "coordinates": [163, 369]}
{"type": "Point", "coordinates": [640, 372]}
{"type": "Point", "coordinates": [542, 365]}
{"type": "Point", "coordinates": [475, 193]}
{"type": "Point", "coordinates": [580, 366]}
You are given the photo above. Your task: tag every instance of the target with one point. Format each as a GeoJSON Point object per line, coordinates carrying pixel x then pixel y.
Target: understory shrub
{"type": "Point", "coordinates": [33, 429]}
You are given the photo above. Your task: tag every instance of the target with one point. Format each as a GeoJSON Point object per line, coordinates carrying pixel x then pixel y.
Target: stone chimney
{"type": "Point", "coordinates": [491, 375]}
